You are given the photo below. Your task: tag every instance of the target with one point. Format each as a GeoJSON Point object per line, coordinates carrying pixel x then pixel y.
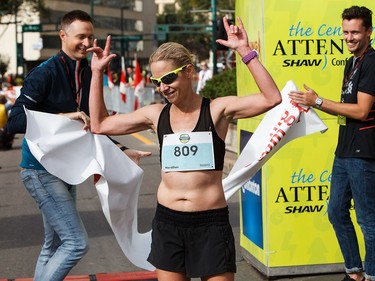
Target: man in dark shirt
{"type": "Point", "coordinates": [353, 172]}
{"type": "Point", "coordinates": [61, 85]}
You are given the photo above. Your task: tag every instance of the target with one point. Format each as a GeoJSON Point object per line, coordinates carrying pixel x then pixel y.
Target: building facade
{"type": "Point", "coordinates": [35, 38]}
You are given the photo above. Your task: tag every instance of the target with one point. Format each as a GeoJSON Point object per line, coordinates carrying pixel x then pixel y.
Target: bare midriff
{"type": "Point", "coordinates": [191, 191]}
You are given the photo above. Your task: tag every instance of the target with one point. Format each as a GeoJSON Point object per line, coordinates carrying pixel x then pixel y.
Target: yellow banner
{"type": "Point", "coordinates": [301, 42]}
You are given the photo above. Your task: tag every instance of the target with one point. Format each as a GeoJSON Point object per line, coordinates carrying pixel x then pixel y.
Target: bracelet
{"type": "Point", "coordinates": [123, 148]}
{"type": "Point", "coordinates": [251, 55]}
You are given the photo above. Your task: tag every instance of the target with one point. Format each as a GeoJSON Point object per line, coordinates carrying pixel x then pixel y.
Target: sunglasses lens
{"type": "Point", "coordinates": [155, 82]}
{"type": "Point", "coordinates": [169, 78]}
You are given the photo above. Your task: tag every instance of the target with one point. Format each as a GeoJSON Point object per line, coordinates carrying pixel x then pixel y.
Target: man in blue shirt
{"type": "Point", "coordinates": [60, 85]}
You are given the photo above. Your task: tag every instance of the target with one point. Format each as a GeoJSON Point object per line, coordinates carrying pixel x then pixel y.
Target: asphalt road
{"type": "Point", "coordinates": [21, 231]}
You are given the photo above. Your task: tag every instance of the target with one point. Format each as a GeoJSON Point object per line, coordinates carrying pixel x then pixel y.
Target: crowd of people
{"type": "Point", "coordinates": [191, 232]}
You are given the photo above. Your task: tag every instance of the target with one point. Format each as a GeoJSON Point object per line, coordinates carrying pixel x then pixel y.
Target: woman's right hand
{"type": "Point", "coordinates": [101, 58]}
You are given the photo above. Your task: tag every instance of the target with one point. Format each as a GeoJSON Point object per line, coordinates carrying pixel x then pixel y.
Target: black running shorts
{"type": "Point", "coordinates": [195, 243]}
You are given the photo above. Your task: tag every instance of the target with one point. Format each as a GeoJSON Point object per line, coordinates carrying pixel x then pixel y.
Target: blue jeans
{"type": "Point", "coordinates": [354, 178]}
{"type": "Point", "coordinates": [65, 237]}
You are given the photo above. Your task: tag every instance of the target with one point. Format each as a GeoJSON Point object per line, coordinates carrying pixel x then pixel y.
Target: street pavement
{"type": "Point", "coordinates": [21, 231]}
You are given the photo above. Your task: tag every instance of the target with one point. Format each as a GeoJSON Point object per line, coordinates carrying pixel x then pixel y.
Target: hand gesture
{"type": "Point", "coordinates": [237, 36]}
{"type": "Point", "coordinates": [307, 97]}
{"type": "Point", "coordinates": [101, 58]}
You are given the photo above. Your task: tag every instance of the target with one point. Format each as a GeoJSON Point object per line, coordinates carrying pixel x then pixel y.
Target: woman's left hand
{"type": "Point", "coordinates": [237, 36]}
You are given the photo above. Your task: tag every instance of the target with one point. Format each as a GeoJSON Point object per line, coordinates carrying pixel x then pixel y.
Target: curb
{"type": "Point", "coordinates": [125, 276]}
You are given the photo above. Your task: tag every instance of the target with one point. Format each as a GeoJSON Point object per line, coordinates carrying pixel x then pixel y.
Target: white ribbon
{"type": "Point", "coordinates": [73, 155]}
{"type": "Point", "coordinates": [283, 123]}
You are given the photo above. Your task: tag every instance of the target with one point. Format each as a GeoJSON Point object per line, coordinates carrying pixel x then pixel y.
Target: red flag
{"type": "Point", "coordinates": [110, 79]}
{"type": "Point", "coordinates": [139, 86]}
{"type": "Point", "coordinates": [123, 81]}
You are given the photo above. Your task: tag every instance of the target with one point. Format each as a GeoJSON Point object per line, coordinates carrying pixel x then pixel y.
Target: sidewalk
{"type": "Point", "coordinates": [125, 276]}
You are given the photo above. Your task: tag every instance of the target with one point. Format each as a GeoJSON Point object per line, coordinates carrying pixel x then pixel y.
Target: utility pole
{"type": "Point", "coordinates": [122, 36]}
{"type": "Point", "coordinates": [92, 9]}
{"type": "Point", "coordinates": [19, 45]}
{"type": "Point", "coordinates": [213, 17]}
{"type": "Point", "coordinates": [214, 35]}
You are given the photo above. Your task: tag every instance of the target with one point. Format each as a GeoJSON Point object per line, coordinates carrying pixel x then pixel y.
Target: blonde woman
{"type": "Point", "coordinates": [191, 233]}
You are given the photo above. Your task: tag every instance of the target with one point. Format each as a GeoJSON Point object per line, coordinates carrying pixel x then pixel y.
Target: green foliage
{"type": "Point", "coordinates": [198, 44]}
{"type": "Point", "coordinates": [221, 85]}
{"type": "Point", "coordinates": [12, 7]}
{"type": "Point", "coordinates": [194, 12]}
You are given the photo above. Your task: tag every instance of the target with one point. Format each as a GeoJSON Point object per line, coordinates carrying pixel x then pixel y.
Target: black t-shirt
{"type": "Point", "coordinates": [357, 138]}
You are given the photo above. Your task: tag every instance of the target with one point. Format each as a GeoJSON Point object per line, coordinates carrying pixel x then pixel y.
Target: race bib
{"type": "Point", "coordinates": [187, 152]}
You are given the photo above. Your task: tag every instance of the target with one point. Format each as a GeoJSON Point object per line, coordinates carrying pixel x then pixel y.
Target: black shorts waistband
{"type": "Point", "coordinates": [191, 219]}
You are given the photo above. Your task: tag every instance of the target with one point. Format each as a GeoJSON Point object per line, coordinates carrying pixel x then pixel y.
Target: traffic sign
{"type": "Point", "coordinates": [128, 37]}
{"type": "Point", "coordinates": [182, 28]}
{"type": "Point", "coordinates": [31, 28]}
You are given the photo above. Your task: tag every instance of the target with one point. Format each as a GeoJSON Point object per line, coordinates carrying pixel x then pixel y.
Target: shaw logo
{"type": "Point", "coordinates": [299, 63]}
{"type": "Point", "coordinates": [303, 209]}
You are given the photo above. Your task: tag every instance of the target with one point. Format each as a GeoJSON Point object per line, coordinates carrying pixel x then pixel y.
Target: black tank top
{"type": "Point", "coordinates": [204, 124]}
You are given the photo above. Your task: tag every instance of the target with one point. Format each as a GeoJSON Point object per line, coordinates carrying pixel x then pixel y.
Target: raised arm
{"type": "Point", "coordinates": [269, 95]}
{"type": "Point", "coordinates": [100, 59]}
{"type": "Point", "coordinates": [119, 124]}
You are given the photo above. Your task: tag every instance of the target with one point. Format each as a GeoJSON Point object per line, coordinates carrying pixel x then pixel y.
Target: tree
{"type": "Point", "coordinates": [19, 12]}
{"type": "Point", "coordinates": [201, 43]}
{"type": "Point", "coordinates": [14, 7]}
{"type": "Point", "coordinates": [221, 85]}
